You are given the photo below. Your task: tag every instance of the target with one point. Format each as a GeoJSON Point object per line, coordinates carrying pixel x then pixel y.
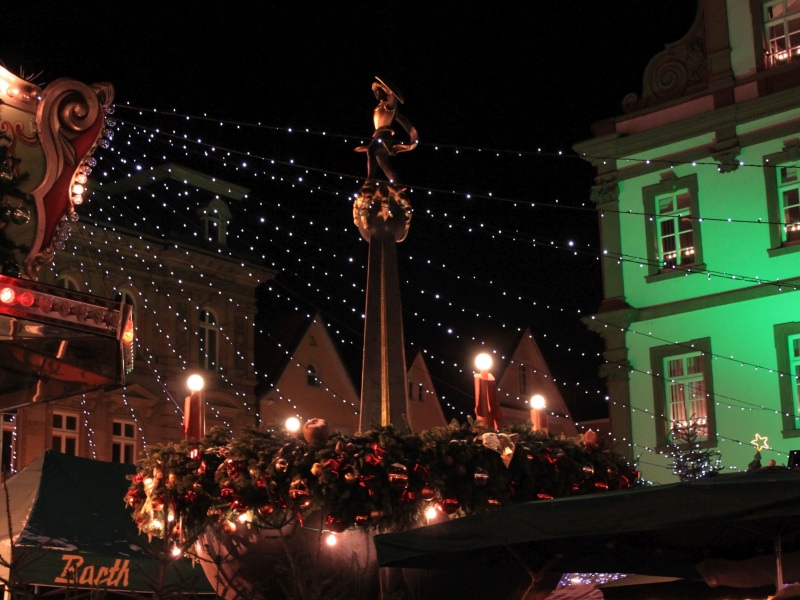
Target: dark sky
{"type": "Point", "coordinates": [499, 92]}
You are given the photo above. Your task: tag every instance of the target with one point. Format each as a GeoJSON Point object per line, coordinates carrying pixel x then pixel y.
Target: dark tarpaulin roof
{"type": "Point", "coordinates": [68, 511]}
{"type": "Point", "coordinates": [664, 530]}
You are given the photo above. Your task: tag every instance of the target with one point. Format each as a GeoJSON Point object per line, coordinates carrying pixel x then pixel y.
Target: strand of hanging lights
{"type": "Point", "coordinates": [480, 229]}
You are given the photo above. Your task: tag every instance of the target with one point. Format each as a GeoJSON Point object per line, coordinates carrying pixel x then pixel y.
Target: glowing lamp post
{"type": "Point", "coordinates": [487, 408]}
{"type": "Point", "coordinates": [538, 418]}
{"type": "Point", "coordinates": [194, 409]}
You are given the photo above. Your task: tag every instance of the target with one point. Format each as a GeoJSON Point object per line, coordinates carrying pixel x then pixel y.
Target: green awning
{"type": "Point", "coordinates": [71, 528]}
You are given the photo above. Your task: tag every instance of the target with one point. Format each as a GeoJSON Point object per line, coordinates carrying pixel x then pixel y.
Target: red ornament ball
{"type": "Point", "coordinates": [427, 493]}
{"type": "Point", "coordinates": [450, 505]}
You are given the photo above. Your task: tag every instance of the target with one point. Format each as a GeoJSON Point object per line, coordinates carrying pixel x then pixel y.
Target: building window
{"type": "Point", "coordinates": [793, 343]}
{"type": "Point", "coordinates": [209, 338]}
{"type": "Point", "coordinates": [683, 389]}
{"type": "Point", "coordinates": [523, 379]}
{"type": "Point", "coordinates": [216, 216]}
{"type": "Point", "coordinates": [123, 442]}
{"type": "Point", "coordinates": [674, 229]}
{"type": "Point", "coordinates": [65, 433]}
{"type": "Point", "coordinates": [787, 347]}
{"type": "Point", "coordinates": [9, 443]}
{"type": "Point", "coordinates": [686, 392]}
{"type": "Point", "coordinates": [415, 391]}
{"type": "Point", "coordinates": [789, 202]}
{"type": "Point", "coordinates": [782, 31]}
{"type": "Point", "coordinates": [783, 199]}
{"type": "Point", "coordinates": [673, 232]}
{"type": "Point", "coordinates": [67, 282]}
{"type": "Point", "coordinates": [312, 378]}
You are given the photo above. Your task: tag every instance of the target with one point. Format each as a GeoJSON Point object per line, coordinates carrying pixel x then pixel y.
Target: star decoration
{"type": "Point", "coordinates": [760, 442]}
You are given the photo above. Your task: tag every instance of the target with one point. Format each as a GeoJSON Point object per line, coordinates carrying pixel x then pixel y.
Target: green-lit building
{"type": "Point", "coordinates": [698, 199]}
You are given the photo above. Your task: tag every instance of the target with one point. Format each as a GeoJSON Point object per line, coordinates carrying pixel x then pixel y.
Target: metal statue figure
{"type": "Point", "coordinates": [383, 144]}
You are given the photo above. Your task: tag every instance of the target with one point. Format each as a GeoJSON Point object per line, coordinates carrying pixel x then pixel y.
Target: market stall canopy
{"type": "Point", "coordinates": [667, 530]}
{"type": "Point", "coordinates": [71, 529]}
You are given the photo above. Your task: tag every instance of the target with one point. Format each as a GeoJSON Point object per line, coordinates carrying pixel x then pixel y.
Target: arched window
{"type": "Point", "coordinates": [67, 282]}
{"type": "Point", "coordinates": [125, 297]}
{"type": "Point", "coordinates": [216, 216]}
{"type": "Point", "coordinates": [209, 340]}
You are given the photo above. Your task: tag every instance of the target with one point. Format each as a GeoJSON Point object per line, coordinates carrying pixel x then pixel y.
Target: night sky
{"type": "Point", "coordinates": [503, 235]}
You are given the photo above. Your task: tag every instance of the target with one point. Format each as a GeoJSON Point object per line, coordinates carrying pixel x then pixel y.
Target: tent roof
{"type": "Point", "coordinates": [69, 513]}
{"type": "Point", "coordinates": [662, 530]}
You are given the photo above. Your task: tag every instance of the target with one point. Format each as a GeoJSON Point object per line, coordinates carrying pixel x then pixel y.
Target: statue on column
{"type": "Point", "coordinates": [384, 199]}
{"type": "Point", "coordinates": [382, 214]}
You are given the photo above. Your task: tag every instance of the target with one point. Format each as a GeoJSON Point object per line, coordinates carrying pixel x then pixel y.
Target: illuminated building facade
{"type": "Point", "coordinates": [697, 197]}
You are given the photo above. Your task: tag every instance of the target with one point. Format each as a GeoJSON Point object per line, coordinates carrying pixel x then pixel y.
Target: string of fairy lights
{"type": "Point", "coordinates": [360, 290]}
{"type": "Point", "coordinates": [126, 158]}
{"type": "Point", "coordinates": [117, 271]}
{"type": "Point", "coordinates": [298, 259]}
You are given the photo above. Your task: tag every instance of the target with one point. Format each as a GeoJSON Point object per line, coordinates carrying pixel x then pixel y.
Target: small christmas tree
{"type": "Point", "coordinates": [691, 460]}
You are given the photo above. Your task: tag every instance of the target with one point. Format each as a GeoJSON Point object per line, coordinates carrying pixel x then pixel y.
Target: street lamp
{"type": "Point", "coordinates": [538, 418]}
{"type": "Point", "coordinates": [194, 409]}
{"type": "Point", "coordinates": [487, 408]}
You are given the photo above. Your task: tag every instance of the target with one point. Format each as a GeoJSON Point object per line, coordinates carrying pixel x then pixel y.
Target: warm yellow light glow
{"type": "Point", "coordinates": [430, 513]}
{"type": "Point", "coordinates": [537, 402]}
{"type": "Point", "coordinates": [17, 88]}
{"type": "Point", "coordinates": [195, 383]}
{"type": "Point", "coordinates": [77, 189]}
{"type": "Point", "coordinates": [127, 334]}
{"type": "Point", "coordinates": [292, 424]}
{"type": "Point", "coordinates": [483, 362]}
{"type": "Point", "coordinates": [761, 442]}
{"type": "Point", "coordinates": [331, 540]}
{"type": "Point", "coordinates": [176, 551]}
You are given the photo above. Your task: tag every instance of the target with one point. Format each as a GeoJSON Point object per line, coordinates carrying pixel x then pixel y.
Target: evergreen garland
{"type": "Point", "coordinates": [382, 480]}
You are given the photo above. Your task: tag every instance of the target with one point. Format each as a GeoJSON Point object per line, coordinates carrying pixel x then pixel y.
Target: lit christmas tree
{"type": "Point", "coordinates": [690, 460]}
